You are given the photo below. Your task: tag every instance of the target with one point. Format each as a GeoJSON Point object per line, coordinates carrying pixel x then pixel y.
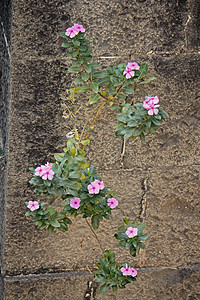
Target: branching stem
{"type": "Point", "coordinates": [96, 237]}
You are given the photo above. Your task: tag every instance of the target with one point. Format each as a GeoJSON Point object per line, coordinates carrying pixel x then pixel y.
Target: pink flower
{"type": "Point", "coordinates": [71, 32]}
{"type": "Point", "coordinates": [39, 171]}
{"type": "Point", "coordinates": [98, 184]}
{"type": "Point", "coordinates": [133, 272]}
{"type": "Point", "coordinates": [129, 69]}
{"type": "Point", "coordinates": [33, 205]}
{"type": "Point", "coordinates": [93, 189]}
{"type": "Point", "coordinates": [128, 72]}
{"type": "Point", "coordinates": [48, 165]}
{"type": "Point", "coordinates": [48, 174]}
{"type": "Point", "coordinates": [75, 203]}
{"type": "Point", "coordinates": [133, 66]}
{"type": "Point", "coordinates": [79, 27]}
{"type": "Point", "coordinates": [126, 271]}
{"type": "Point", "coordinates": [131, 232]}
{"type": "Point", "coordinates": [45, 172]}
{"type": "Point", "coordinates": [112, 202]}
{"type": "Point", "coordinates": [151, 105]}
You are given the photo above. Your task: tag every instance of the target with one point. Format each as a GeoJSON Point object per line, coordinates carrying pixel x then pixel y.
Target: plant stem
{"type": "Point", "coordinates": [96, 237]}
{"type": "Point", "coordinates": [87, 123]}
{"type": "Point", "coordinates": [94, 119]}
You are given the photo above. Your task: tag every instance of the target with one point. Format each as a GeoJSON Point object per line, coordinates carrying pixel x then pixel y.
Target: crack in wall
{"type": "Point", "coordinates": [6, 40]}
{"type": "Point", "coordinates": [91, 291]}
{"type": "Point", "coordinates": [143, 202]}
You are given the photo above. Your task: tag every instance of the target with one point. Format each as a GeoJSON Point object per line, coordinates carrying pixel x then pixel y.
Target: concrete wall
{"type": "Point", "coordinates": [159, 182]}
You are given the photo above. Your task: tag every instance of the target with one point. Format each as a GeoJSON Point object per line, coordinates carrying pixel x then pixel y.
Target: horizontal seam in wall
{"type": "Point", "coordinates": [146, 168]}
{"type": "Point", "coordinates": [44, 58]}
{"type": "Point", "coordinates": [193, 268]}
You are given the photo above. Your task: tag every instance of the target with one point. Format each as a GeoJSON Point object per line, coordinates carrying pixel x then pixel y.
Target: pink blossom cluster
{"type": "Point", "coordinates": [131, 232]}
{"type": "Point", "coordinates": [33, 205]}
{"type": "Point", "coordinates": [112, 202]}
{"type": "Point", "coordinates": [74, 30]}
{"type": "Point", "coordinates": [128, 271]}
{"type": "Point", "coordinates": [95, 187]}
{"type": "Point", "coordinates": [150, 103]}
{"type": "Point", "coordinates": [129, 71]}
{"type": "Point", "coordinates": [75, 202]}
{"type": "Point", "coordinates": [45, 171]}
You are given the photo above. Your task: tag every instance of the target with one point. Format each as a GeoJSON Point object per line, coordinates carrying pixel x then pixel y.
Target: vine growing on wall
{"type": "Point", "coordinates": [71, 178]}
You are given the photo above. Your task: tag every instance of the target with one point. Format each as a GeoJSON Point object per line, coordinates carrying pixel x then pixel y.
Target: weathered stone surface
{"type": "Point", "coordinates": [193, 26]}
{"type": "Point", "coordinates": [172, 216]}
{"type": "Point", "coordinates": [163, 284]}
{"type": "Point", "coordinates": [120, 27]}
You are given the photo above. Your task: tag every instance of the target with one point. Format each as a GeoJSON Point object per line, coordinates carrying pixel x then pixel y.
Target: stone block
{"type": "Point", "coordinates": [172, 216]}
{"type": "Point", "coordinates": [130, 27]}
{"type": "Point", "coordinates": [151, 284]}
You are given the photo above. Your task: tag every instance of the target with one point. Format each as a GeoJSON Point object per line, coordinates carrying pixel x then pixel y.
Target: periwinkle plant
{"type": "Point", "coordinates": [71, 178]}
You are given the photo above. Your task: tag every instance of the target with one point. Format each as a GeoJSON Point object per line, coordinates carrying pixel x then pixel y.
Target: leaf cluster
{"type": "Point", "coordinates": [67, 172]}
{"type": "Point", "coordinates": [133, 244]}
{"type": "Point", "coordinates": [49, 218]}
{"type": "Point", "coordinates": [134, 121]}
{"type": "Point", "coordinates": [109, 273]}
{"type": "Point", "coordinates": [109, 83]}
{"type": "Point", "coordinates": [91, 205]}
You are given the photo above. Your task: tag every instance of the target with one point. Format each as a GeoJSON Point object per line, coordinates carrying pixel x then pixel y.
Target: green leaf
{"type": "Point", "coordinates": [121, 96]}
{"type": "Point", "coordinates": [128, 90]}
{"type": "Point", "coordinates": [148, 80]}
{"type": "Point", "coordinates": [73, 185]}
{"type": "Point", "coordinates": [122, 243]}
{"type": "Point", "coordinates": [50, 229]}
{"type": "Point", "coordinates": [143, 237]}
{"type": "Point", "coordinates": [103, 289]}
{"type": "Point", "coordinates": [143, 70]}
{"type": "Point", "coordinates": [165, 113]}
{"type": "Point", "coordinates": [85, 76]}
{"type": "Point", "coordinates": [132, 250]}
{"type": "Point", "coordinates": [78, 80]}
{"type": "Point", "coordinates": [94, 87]}
{"type": "Point", "coordinates": [99, 278]}
{"type": "Point", "coordinates": [99, 75]}
{"type": "Point", "coordinates": [94, 98]}
{"type": "Point", "coordinates": [126, 221]}
{"type": "Point", "coordinates": [87, 68]}
{"type": "Point", "coordinates": [66, 45]}
{"type": "Point", "coordinates": [137, 131]}
{"type": "Point", "coordinates": [85, 165]}
{"type": "Point", "coordinates": [63, 227]}
{"type": "Point", "coordinates": [156, 122]}
{"type": "Point", "coordinates": [114, 288]}
{"type": "Point", "coordinates": [73, 151]}
{"type": "Point", "coordinates": [75, 174]}
{"type": "Point", "coordinates": [59, 156]}
{"type": "Point", "coordinates": [122, 228]}
{"type": "Point", "coordinates": [54, 223]}
{"type": "Point", "coordinates": [74, 69]}
{"type": "Point", "coordinates": [95, 65]}
{"type": "Point", "coordinates": [76, 42]}
{"type": "Point", "coordinates": [120, 235]}
{"type": "Point", "coordinates": [70, 144]}
{"type": "Point", "coordinates": [142, 137]}
{"type": "Point", "coordinates": [103, 81]}
{"type": "Point", "coordinates": [82, 89]}
{"type": "Point", "coordinates": [85, 142]}
{"type": "Point", "coordinates": [148, 123]}
{"type": "Point", "coordinates": [95, 221]}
